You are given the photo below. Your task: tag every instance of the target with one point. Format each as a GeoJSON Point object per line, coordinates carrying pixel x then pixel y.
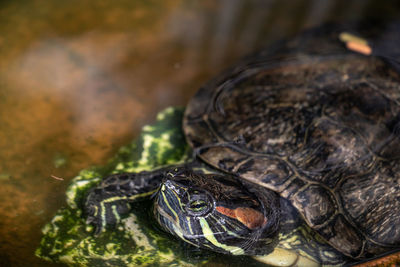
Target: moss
{"type": "Point", "coordinates": [135, 241]}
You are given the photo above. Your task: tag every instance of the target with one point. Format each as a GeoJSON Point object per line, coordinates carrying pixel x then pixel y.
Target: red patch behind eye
{"type": "Point", "coordinates": [248, 216]}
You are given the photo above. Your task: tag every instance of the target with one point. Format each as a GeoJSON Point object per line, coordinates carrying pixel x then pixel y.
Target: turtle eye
{"type": "Point", "coordinates": [199, 205]}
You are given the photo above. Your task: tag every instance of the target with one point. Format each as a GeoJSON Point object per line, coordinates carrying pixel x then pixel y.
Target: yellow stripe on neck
{"type": "Point", "coordinates": [209, 235]}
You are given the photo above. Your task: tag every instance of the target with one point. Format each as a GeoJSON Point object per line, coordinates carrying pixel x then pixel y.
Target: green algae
{"type": "Point", "coordinates": [135, 240]}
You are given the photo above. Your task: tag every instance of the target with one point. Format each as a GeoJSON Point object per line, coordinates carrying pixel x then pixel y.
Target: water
{"type": "Point", "coordinates": [80, 78]}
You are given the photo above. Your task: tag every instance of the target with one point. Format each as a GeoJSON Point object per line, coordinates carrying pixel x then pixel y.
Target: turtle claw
{"type": "Point", "coordinates": [96, 222]}
{"type": "Point", "coordinates": [90, 220]}
{"type": "Point", "coordinates": [93, 218]}
{"type": "Point", "coordinates": [103, 209]}
{"type": "Point", "coordinates": [106, 203]}
{"type": "Point", "coordinates": [98, 230]}
{"type": "Point", "coordinates": [95, 215]}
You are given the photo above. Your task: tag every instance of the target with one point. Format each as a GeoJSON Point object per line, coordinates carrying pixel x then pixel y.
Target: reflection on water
{"type": "Point", "coordinates": [79, 78]}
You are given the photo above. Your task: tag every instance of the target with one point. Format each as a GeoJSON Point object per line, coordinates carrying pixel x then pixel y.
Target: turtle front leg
{"type": "Point", "coordinates": [112, 197]}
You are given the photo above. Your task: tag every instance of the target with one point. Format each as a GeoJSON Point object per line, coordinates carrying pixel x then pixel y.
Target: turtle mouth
{"type": "Point", "coordinates": [167, 207]}
{"type": "Point", "coordinates": [171, 220]}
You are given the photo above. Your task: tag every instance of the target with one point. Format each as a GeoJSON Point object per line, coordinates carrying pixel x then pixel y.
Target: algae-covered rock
{"type": "Point", "coordinates": [136, 240]}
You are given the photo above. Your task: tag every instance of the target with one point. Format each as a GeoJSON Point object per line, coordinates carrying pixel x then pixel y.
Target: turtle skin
{"type": "Point", "coordinates": [321, 127]}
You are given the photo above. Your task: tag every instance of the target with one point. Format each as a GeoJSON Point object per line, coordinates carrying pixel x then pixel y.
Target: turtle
{"type": "Point", "coordinates": [306, 130]}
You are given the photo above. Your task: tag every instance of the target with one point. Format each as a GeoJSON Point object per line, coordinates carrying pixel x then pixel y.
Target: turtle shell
{"type": "Point", "coordinates": [321, 127]}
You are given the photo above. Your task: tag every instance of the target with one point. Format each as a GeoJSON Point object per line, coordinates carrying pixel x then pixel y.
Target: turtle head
{"type": "Point", "coordinates": [218, 212]}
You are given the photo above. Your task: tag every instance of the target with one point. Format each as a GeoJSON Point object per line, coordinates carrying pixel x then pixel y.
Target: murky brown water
{"type": "Point", "coordinates": [80, 78]}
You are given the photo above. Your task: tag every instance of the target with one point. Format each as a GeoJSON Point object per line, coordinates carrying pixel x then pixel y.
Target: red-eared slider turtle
{"type": "Point", "coordinates": [310, 124]}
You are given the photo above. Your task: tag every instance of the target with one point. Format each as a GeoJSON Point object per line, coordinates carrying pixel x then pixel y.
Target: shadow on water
{"type": "Point", "coordinates": [80, 78]}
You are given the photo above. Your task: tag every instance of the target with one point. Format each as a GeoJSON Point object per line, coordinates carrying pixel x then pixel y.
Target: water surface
{"type": "Point", "coordinates": [78, 79]}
